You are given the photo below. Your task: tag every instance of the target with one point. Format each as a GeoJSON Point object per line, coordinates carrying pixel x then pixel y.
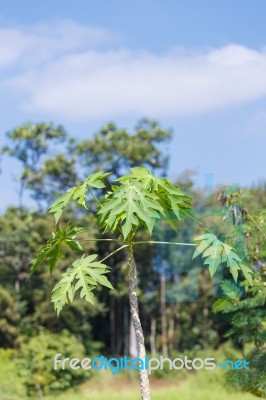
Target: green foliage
{"type": "Point", "coordinates": [247, 314]}
{"type": "Point", "coordinates": [117, 150]}
{"type": "Point", "coordinates": [54, 250]}
{"type": "Point", "coordinates": [25, 305]}
{"type": "Point", "coordinates": [21, 233]}
{"type": "Point", "coordinates": [217, 252]}
{"type": "Point", "coordinates": [170, 198]}
{"type": "Point", "coordinates": [140, 199]}
{"type": "Point", "coordinates": [11, 383]}
{"type": "Point", "coordinates": [30, 141]}
{"type": "Point", "coordinates": [35, 363]}
{"type": "Point", "coordinates": [52, 177]}
{"type": "Point", "coordinates": [77, 193]}
{"type": "Point", "coordinates": [247, 310]}
{"type": "Point", "coordinates": [231, 290]}
{"type": "Point", "coordinates": [252, 380]}
{"type": "Point", "coordinates": [84, 274]}
{"type": "Point", "coordinates": [134, 200]}
{"type": "Point", "coordinates": [128, 206]}
{"type": "Point", "coordinates": [30, 144]}
{"type": "Point", "coordinates": [9, 319]}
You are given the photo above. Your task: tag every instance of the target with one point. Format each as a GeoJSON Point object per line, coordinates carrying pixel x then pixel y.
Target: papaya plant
{"type": "Point", "coordinates": [135, 201]}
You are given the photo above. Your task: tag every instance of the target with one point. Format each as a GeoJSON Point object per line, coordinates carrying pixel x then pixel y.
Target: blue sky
{"type": "Point", "coordinates": [199, 67]}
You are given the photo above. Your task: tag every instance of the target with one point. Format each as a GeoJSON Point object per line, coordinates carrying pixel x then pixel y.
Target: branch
{"type": "Point", "coordinates": [116, 251]}
{"type": "Point", "coordinates": [100, 240]}
{"type": "Point", "coordinates": [155, 242]}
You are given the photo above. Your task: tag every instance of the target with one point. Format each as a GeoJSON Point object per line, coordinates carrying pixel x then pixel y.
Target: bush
{"type": "Point", "coordinates": [35, 362]}
{"type": "Point", "coordinates": [252, 380]}
{"type": "Point", "coordinates": [11, 384]}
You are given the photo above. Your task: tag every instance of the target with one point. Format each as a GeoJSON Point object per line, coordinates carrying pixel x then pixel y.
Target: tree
{"type": "Point", "coordinates": [29, 144]}
{"type": "Point", "coordinates": [135, 201]}
{"type": "Point", "coordinates": [117, 150]}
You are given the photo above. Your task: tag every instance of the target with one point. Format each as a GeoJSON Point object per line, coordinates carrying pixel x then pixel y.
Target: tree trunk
{"type": "Point", "coordinates": [171, 331]}
{"type": "Point", "coordinates": [112, 324]}
{"type": "Point", "coordinates": [132, 274]}
{"type": "Point", "coordinates": [133, 346]}
{"type": "Point", "coordinates": [40, 391]}
{"type": "Point", "coordinates": [126, 329]}
{"type": "Point", "coordinates": [153, 336]}
{"type": "Point", "coordinates": [163, 316]}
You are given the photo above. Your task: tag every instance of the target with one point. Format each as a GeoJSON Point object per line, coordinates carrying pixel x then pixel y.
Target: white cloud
{"type": "Point", "coordinates": [69, 77]}
{"type": "Point", "coordinates": [31, 45]}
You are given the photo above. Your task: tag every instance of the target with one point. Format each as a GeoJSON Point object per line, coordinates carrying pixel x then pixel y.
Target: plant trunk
{"type": "Point", "coordinates": [153, 336]}
{"type": "Point", "coordinates": [40, 391]}
{"type": "Point", "coordinates": [112, 325]}
{"type": "Point", "coordinates": [133, 300]}
{"type": "Point", "coordinates": [163, 317]}
{"type": "Point", "coordinates": [171, 331]}
{"type": "Point", "coordinates": [126, 331]}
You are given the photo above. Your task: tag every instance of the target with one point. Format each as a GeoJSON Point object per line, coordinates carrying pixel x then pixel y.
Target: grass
{"type": "Point", "coordinates": [201, 386]}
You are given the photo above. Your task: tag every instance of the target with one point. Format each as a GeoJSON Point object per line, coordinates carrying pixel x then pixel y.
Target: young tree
{"type": "Point", "coordinates": [51, 162]}
{"type": "Point", "coordinates": [134, 201]}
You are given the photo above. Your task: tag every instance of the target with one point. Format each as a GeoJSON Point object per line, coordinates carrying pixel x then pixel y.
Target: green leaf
{"type": "Point", "coordinates": [53, 250]}
{"type": "Point", "coordinates": [77, 193]}
{"type": "Point", "coordinates": [171, 198]}
{"type": "Point", "coordinates": [209, 237]}
{"type": "Point", "coordinates": [60, 204]}
{"type": "Point", "coordinates": [247, 272]}
{"type": "Point", "coordinates": [210, 248]}
{"type": "Point", "coordinates": [96, 180]}
{"type": "Point", "coordinates": [84, 275]}
{"type": "Point", "coordinates": [217, 252]}
{"type": "Point", "coordinates": [130, 205]}
{"type": "Point", "coordinates": [141, 199]}
{"type": "Point", "coordinates": [231, 290]}
{"type": "Point", "coordinates": [202, 246]}
{"type": "Point", "coordinates": [213, 257]}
